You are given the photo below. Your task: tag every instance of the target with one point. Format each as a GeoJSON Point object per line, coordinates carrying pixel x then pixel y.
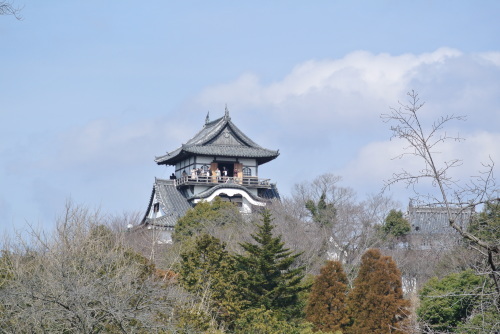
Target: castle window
{"type": "Point", "coordinates": [247, 171]}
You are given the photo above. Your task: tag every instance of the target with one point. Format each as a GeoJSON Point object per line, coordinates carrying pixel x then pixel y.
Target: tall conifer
{"type": "Point", "coordinates": [376, 303]}
{"type": "Point", "coordinates": [208, 269]}
{"type": "Point", "coordinates": [270, 280]}
{"type": "Point", "coordinates": [326, 305]}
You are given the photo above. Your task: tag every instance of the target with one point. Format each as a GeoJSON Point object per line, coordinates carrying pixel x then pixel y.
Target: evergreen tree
{"type": "Point", "coordinates": [396, 224]}
{"type": "Point", "coordinates": [322, 212]}
{"type": "Point", "coordinates": [270, 281]}
{"type": "Point", "coordinates": [446, 303]}
{"type": "Point", "coordinates": [487, 225]}
{"type": "Point", "coordinates": [376, 303]}
{"type": "Point", "coordinates": [203, 215]}
{"type": "Point", "coordinates": [208, 269]}
{"type": "Point", "coordinates": [262, 321]}
{"type": "Point", "coordinates": [326, 305]}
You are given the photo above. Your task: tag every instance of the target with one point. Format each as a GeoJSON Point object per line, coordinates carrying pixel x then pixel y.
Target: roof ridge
{"type": "Point", "coordinates": [206, 141]}
{"type": "Point", "coordinates": [210, 123]}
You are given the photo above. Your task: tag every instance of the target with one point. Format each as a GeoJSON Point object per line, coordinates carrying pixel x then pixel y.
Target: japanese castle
{"type": "Point", "coordinates": [220, 160]}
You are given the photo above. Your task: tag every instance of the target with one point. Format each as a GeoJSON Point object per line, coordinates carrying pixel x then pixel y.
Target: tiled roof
{"type": "Point", "coordinates": [236, 151]}
{"type": "Point", "coordinates": [271, 193]}
{"type": "Point", "coordinates": [172, 203]}
{"type": "Point", "coordinates": [219, 138]}
{"type": "Point", "coordinates": [434, 220]}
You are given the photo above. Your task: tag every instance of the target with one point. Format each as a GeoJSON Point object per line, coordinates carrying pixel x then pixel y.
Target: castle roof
{"type": "Point", "coordinates": [173, 203]}
{"type": "Point", "coordinates": [219, 138]}
{"type": "Point", "coordinates": [434, 219]}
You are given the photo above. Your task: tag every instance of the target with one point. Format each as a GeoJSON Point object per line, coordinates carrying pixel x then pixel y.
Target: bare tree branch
{"type": "Point", "coordinates": [7, 8]}
{"type": "Point", "coordinates": [423, 143]}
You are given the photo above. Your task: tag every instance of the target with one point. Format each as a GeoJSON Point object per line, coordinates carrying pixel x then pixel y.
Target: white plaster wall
{"type": "Point", "coordinates": [165, 237]}
{"type": "Point", "coordinates": [153, 214]}
{"type": "Point", "coordinates": [199, 189]}
{"type": "Point", "coordinates": [203, 160]}
{"type": "Point", "coordinates": [246, 207]}
{"type": "Point", "coordinates": [248, 162]}
{"type": "Point", "coordinates": [232, 192]}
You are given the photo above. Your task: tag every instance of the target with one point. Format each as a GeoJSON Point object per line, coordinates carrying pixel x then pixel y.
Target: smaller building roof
{"type": "Point", "coordinates": [219, 138]}
{"type": "Point", "coordinates": [435, 219]}
{"type": "Point", "coordinates": [172, 203]}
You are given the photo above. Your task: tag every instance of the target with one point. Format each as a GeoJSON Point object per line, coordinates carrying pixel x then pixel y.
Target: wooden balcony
{"type": "Point", "coordinates": [247, 181]}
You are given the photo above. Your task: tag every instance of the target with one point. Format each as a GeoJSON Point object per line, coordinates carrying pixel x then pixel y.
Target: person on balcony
{"type": "Point", "coordinates": [224, 174]}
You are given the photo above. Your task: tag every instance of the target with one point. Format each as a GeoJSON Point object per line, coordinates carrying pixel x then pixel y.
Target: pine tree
{"type": "Point", "coordinates": [208, 270]}
{"type": "Point", "coordinates": [326, 305]}
{"type": "Point", "coordinates": [270, 281]}
{"type": "Point", "coordinates": [376, 303]}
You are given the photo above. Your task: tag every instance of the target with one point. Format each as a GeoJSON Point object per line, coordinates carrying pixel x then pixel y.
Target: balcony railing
{"type": "Point", "coordinates": [247, 181]}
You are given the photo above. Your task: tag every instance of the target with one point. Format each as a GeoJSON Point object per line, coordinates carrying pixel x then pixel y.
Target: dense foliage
{"type": "Point", "coordinates": [376, 303]}
{"type": "Point", "coordinates": [487, 224]}
{"type": "Point", "coordinates": [81, 280]}
{"type": "Point", "coordinates": [326, 305]}
{"type": "Point", "coordinates": [322, 212]}
{"type": "Point", "coordinates": [395, 224]}
{"type": "Point", "coordinates": [208, 269]}
{"type": "Point", "coordinates": [229, 274]}
{"type": "Point", "coordinates": [447, 302]}
{"type": "Point", "coordinates": [270, 280]}
{"type": "Point", "coordinates": [204, 217]}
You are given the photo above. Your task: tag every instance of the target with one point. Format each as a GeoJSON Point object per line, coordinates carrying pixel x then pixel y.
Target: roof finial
{"type": "Point", "coordinates": [226, 112]}
{"type": "Point", "coordinates": [207, 119]}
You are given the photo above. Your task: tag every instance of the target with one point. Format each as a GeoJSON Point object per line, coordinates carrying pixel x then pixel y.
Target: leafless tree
{"type": "Point", "coordinates": [7, 8]}
{"type": "Point", "coordinates": [347, 226]}
{"type": "Point", "coordinates": [82, 279]}
{"type": "Point", "coordinates": [423, 142]}
{"type": "Point", "coordinates": [301, 236]}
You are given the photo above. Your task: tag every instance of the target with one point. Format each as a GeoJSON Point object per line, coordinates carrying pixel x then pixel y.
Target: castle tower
{"type": "Point", "coordinates": [220, 160]}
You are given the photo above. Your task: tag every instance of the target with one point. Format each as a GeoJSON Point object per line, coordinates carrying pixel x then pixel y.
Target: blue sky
{"type": "Point", "coordinates": [92, 91]}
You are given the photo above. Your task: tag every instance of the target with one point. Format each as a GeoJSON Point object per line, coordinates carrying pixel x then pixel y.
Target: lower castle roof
{"type": "Point", "coordinates": [175, 202]}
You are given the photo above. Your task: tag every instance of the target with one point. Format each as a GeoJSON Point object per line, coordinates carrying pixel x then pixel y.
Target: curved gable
{"type": "Point", "coordinates": [219, 138]}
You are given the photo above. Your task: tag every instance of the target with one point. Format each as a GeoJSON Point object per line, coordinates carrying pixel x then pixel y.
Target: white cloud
{"type": "Point", "coordinates": [338, 85]}
{"type": "Point", "coordinates": [325, 114]}
{"type": "Point", "coordinates": [377, 161]}
{"type": "Point", "coordinates": [493, 57]}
